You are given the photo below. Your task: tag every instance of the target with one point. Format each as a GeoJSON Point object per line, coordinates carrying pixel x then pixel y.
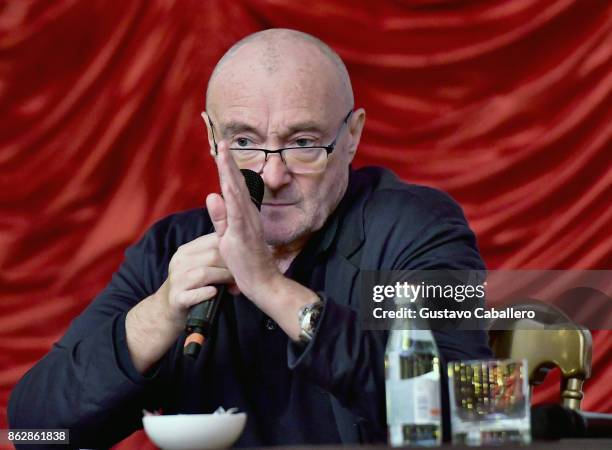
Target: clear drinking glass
{"type": "Point", "coordinates": [490, 402]}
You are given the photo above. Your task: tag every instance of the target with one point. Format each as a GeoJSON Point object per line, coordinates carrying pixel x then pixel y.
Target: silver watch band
{"type": "Point", "coordinates": [308, 318]}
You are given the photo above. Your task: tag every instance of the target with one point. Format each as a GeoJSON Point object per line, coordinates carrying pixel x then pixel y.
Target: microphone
{"type": "Point", "coordinates": [202, 316]}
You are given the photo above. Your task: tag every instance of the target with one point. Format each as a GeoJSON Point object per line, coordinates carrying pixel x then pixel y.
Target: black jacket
{"type": "Point", "coordinates": [87, 383]}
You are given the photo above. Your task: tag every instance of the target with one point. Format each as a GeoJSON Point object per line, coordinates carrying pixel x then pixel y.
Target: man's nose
{"type": "Point", "coordinates": [275, 173]}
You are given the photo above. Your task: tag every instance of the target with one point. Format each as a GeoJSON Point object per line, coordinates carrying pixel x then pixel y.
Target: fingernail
{"type": "Point", "coordinates": [210, 291]}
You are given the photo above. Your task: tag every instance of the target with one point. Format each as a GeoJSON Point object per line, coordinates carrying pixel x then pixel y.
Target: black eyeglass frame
{"type": "Point", "coordinates": [328, 148]}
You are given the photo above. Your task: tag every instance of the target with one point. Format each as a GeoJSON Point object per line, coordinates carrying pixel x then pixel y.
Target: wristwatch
{"type": "Point", "coordinates": [308, 318]}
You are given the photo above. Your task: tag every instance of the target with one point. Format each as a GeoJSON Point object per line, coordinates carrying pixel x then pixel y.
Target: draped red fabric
{"type": "Point", "coordinates": [507, 105]}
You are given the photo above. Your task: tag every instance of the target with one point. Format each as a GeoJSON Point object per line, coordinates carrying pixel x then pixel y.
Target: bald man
{"type": "Point", "coordinates": [288, 347]}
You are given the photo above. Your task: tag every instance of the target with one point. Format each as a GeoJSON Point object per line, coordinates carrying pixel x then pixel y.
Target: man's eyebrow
{"type": "Point", "coordinates": [233, 128]}
{"type": "Point", "coordinates": [308, 125]}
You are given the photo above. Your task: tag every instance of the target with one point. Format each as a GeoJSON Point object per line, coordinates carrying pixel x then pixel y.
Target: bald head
{"type": "Point", "coordinates": [282, 89]}
{"type": "Point", "coordinates": [279, 50]}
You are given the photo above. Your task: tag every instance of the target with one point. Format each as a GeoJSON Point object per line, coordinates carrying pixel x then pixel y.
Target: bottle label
{"type": "Point", "coordinates": [414, 400]}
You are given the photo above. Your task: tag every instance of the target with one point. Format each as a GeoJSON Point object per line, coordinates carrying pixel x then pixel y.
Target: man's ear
{"type": "Point", "coordinates": [355, 127]}
{"type": "Point", "coordinates": [211, 142]}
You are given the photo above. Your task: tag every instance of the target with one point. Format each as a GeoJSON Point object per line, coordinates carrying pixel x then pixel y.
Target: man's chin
{"type": "Point", "coordinates": [278, 239]}
{"type": "Point", "coordinates": [283, 226]}
{"type": "Point", "coordinates": [277, 236]}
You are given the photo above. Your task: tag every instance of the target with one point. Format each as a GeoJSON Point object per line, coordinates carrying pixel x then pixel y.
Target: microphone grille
{"type": "Point", "coordinates": [255, 186]}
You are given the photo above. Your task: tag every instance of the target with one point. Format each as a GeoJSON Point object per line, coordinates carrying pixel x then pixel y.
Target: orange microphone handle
{"type": "Point", "coordinates": [193, 344]}
{"type": "Point", "coordinates": [200, 321]}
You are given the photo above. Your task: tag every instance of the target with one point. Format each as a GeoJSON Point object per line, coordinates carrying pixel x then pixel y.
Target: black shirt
{"type": "Point", "coordinates": [283, 406]}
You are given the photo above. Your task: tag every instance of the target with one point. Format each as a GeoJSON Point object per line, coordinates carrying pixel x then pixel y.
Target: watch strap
{"type": "Point", "coordinates": [308, 318]}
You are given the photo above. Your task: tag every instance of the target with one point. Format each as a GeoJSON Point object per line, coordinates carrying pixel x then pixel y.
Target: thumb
{"type": "Point", "coordinates": [218, 214]}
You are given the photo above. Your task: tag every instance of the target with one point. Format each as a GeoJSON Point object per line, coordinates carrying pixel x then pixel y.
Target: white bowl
{"type": "Point", "coordinates": [194, 431]}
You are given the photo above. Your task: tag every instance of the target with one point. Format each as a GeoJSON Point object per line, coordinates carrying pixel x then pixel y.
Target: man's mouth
{"type": "Point", "coordinates": [277, 204]}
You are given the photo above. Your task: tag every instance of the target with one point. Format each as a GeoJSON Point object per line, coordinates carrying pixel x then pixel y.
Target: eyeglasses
{"type": "Point", "coordinates": [299, 160]}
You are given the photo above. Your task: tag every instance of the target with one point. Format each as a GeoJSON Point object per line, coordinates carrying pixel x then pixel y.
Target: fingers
{"type": "Point", "coordinates": [194, 296]}
{"type": "Point", "coordinates": [186, 259]}
{"type": "Point", "coordinates": [235, 192]}
{"type": "Point", "coordinates": [196, 285]}
{"type": "Point", "coordinates": [194, 270]}
{"type": "Point", "coordinates": [199, 277]}
{"type": "Point", "coordinates": [217, 213]}
{"type": "Point", "coordinates": [199, 245]}
{"type": "Point", "coordinates": [190, 270]}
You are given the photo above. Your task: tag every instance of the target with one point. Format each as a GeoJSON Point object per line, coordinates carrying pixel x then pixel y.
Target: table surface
{"type": "Point", "coordinates": [563, 444]}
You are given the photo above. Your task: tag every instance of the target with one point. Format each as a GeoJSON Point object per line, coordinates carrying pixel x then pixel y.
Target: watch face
{"type": "Point", "coordinates": [315, 312]}
{"type": "Point", "coordinates": [314, 317]}
{"type": "Point", "coordinates": [308, 320]}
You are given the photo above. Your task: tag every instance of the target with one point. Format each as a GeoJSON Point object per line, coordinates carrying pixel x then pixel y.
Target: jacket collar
{"type": "Point", "coordinates": [344, 229]}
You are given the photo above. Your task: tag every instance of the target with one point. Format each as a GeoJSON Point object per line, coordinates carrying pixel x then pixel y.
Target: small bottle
{"type": "Point", "coordinates": [412, 384]}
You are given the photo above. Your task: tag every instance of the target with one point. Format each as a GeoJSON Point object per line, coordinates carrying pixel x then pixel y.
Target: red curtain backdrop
{"type": "Point", "coordinates": [507, 105]}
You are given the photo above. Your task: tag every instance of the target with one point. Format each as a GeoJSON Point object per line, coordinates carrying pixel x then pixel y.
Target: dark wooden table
{"type": "Point", "coordinates": [564, 444]}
